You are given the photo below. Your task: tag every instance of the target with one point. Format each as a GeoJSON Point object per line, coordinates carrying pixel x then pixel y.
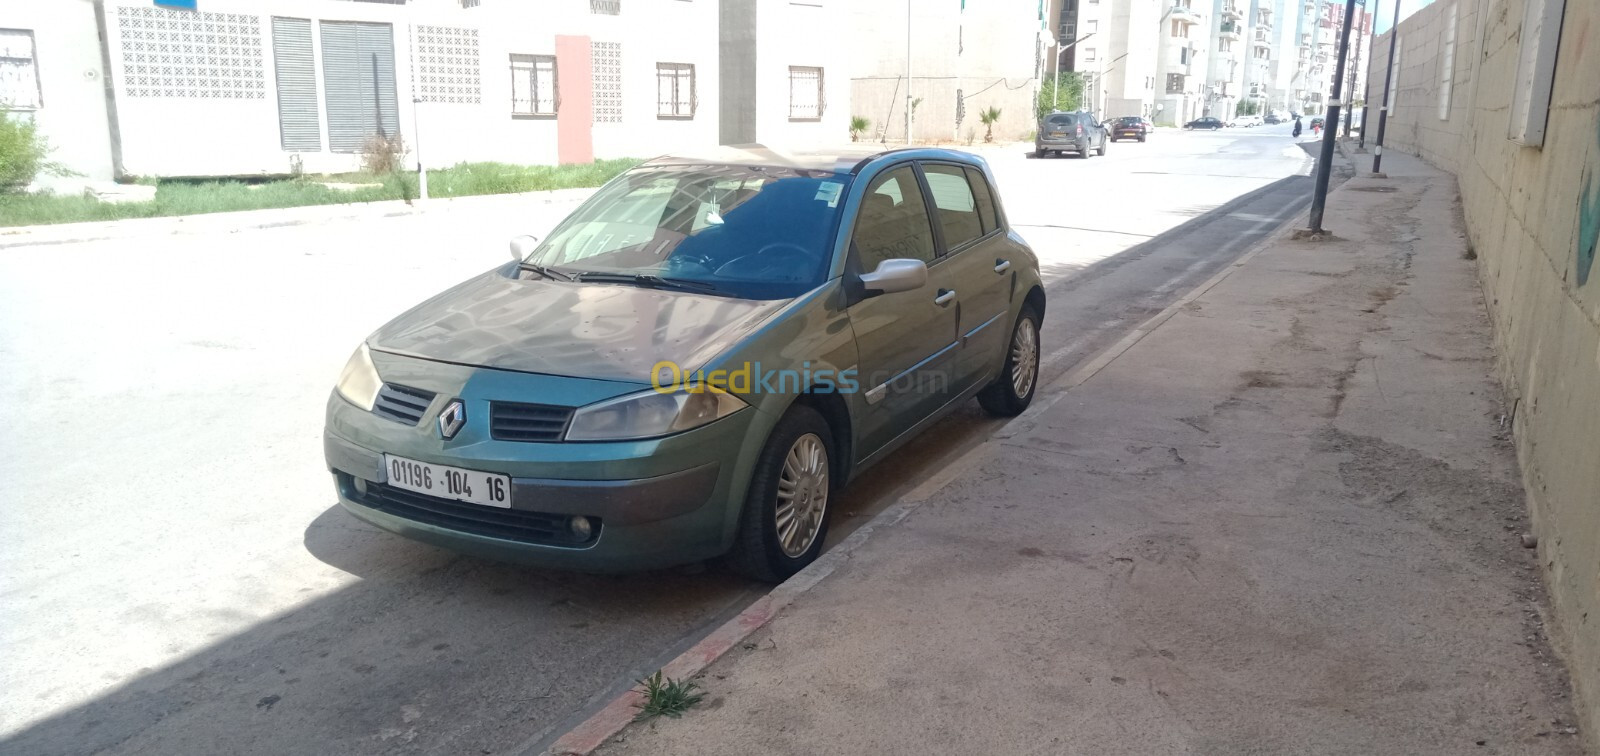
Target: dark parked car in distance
{"type": "Point", "coordinates": [1206, 123]}
{"type": "Point", "coordinates": [1070, 132]}
{"type": "Point", "coordinates": [1130, 127]}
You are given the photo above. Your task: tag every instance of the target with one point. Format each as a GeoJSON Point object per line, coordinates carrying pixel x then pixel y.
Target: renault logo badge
{"type": "Point", "coordinates": [451, 418]}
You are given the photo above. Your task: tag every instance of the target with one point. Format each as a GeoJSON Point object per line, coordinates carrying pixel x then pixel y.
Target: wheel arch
{"type": "Point", "coordinates": [1035, 299]}
{"type": "Point", "coordinates": [835, 411]}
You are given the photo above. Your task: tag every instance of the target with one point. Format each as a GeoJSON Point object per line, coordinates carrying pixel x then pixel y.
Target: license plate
{"type": "Point", "coordinates": [445, 482]}
{"type": "Point", "coordinates": [1055, 134]}
{"type": "Point", "coordinates": [1130, 133]}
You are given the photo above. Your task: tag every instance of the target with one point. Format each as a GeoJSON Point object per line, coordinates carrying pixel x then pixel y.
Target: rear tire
{"type": "Point", "coordinates": [1102, 151]}
{"type": "Point", "coordinates": [1012, 390]}
{"type": "Point", "coordinates": [798, 463]}
{"type": "Point", "coordinates": [1141, 139]}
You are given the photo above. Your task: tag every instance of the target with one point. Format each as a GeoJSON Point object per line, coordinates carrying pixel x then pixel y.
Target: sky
{"type": "Point", "coordinates": [1384, 12]}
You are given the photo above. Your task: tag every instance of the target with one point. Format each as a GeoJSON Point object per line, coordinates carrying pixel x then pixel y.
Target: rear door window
{"type": "Point", "coordinates": [980, 190]}
{"type": "Point", "coordinates": [954, 202]}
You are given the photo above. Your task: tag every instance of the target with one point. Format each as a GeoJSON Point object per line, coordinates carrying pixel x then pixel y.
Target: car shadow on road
{"type": "Point", "coordinates": [426, 652]}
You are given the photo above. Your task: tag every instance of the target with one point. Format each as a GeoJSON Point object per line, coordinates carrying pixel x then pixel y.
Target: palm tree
{"type": "Point", "coordinates": [989, 116]}
{"type": "Point", "coordinates": [858, 125]}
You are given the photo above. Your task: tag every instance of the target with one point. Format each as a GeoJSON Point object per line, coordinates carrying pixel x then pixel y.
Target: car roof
{"type": "Point", "coordinates": [841, 160]}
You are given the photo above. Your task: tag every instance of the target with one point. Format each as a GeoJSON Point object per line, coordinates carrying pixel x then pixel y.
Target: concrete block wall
{"type": "Point", "coordinates": [1533, 215]}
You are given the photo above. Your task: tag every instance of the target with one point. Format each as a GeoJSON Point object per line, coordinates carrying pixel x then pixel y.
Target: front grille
{"type": "Point", "coordinates": [512, 421]}
{"type": "Point", "coordinates": [402, 403]}
{"type": "Point", "coordinates": [508, 524]}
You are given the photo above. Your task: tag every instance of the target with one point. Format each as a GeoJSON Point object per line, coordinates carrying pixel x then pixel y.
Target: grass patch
{"type": "Point", "coordinates": [666, 697]}
{"type": "Point", "coordinates": [194, 198]}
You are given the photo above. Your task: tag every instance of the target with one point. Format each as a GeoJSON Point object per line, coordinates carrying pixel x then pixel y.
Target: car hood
{"type": "Point", "coordinates": [592, 330]}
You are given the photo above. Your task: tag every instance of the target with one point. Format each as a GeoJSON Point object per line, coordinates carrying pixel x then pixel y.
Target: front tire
{"type": "Point", "coordinates": [1012, 391]}
{"type": "Point", "coordinates": [785, 517]}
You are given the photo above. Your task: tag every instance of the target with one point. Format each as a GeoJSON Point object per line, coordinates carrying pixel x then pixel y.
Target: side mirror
{"type": "Point", "coordinates": [522, 246]}
{"type": "Point", "coordinates": [899, 274]}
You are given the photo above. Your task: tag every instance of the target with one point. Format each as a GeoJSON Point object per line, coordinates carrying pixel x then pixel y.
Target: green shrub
{"type": "Point", "coordinates": [23, 153]}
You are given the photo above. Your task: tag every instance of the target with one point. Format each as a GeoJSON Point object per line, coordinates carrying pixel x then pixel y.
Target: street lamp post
{"type": "Point", "coordinates": [1060, 52]}
{"type": "Point", "coordinates": [1319, 197]}
{"type": "Point", "coordinates": [1388, 79]}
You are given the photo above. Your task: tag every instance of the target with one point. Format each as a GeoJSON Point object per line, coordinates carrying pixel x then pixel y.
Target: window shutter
{"type": "Point", "coordinates": [358, 82]}
{"type": "Point", "coordinates": [299, 123]}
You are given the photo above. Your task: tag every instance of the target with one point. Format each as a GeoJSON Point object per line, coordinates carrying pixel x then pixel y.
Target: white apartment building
{"type": "Point", "coordinates": [1228, 60]}
{"type": "Point", "coordinates": [128, 88]}
{"type": "Point", "coordinates": [1117, 51]}
{"type": "Point", "coordinates": [1182, 63]}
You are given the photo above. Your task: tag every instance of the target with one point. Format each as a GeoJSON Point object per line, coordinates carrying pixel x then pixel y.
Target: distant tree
{"type": "Point", "coordinates": [1059, 92]}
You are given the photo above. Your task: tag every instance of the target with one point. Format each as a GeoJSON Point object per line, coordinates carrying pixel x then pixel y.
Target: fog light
{"type": "Point", "coordinates": [580, 527]}
{"type": "Point", "coordinates": [361, 486]}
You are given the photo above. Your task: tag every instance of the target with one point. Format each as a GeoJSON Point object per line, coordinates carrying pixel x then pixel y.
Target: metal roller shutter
{"type": "Point", "coordinates": [358, 83]}
{"type": "Point", "coordinates": [298, 119]}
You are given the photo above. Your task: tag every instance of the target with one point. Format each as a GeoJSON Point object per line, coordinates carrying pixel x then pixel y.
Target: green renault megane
{"type": "Point", "coordinates": [693, 363]}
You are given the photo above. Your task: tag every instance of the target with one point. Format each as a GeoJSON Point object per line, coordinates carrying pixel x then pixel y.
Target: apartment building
{"type": "Point", "coordinates": [1229, 59]}
{"type": "Point", "coordinates": [1182, 62]}
{"type": "Point", "coordinates": [273, 87]}
{"type": "Point", "coordinates": [1115, 46]}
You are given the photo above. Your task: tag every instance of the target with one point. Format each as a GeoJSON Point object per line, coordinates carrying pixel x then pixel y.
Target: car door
{"type": "Point", "coordinates": [973, 259]}
{"type": "Point", "coordinates": [907, 340]}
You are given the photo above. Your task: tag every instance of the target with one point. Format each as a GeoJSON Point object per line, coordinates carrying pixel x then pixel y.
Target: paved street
{"type": "Point", "coordinates": [178, 579]}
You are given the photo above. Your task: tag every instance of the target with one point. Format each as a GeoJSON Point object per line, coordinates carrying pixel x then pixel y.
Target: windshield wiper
{"type": "Point", "coordinates": [546, 271]}
{"type": "Point", "coordinates": [644, 279]}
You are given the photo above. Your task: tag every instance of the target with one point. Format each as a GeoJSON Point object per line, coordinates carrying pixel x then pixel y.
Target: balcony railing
{"type": "Point", "coordinates": [1228, 30]}
{"type": "Point", "coordinates": [1185, 14]}
{"type": "Point", "coordinates": [1232, 12]}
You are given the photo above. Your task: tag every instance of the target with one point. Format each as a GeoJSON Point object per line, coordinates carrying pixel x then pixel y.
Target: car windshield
{"type": "Point", "coordinates": [752, 232]}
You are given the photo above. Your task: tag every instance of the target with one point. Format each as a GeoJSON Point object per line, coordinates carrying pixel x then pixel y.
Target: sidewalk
{"type": "Point", "coordinates": [1285, 521]}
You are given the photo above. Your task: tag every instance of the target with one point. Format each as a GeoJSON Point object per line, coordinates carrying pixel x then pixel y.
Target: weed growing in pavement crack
{"type": "Point", "coordinates": [664, 696]}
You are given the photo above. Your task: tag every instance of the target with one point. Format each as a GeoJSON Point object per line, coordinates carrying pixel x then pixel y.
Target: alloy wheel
{"type": "Point", "coordinates": [1024, 357]}
{"type": "Point", "coordinates": [802, 494]}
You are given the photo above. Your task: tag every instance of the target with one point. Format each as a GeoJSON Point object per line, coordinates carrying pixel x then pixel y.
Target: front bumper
{"type": "Point", "coordinates": [653, 503]}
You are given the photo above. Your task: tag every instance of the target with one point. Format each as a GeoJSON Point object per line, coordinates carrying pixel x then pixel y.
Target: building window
{"type": "Point", "coordinates": [1090, 27]}
{"type": "Point", "coordinates": [1175, 83]}
{"type": "Point", "coordinates": [1180, 29]}
{"type": "Point", "coordinates": [606, 7]}
{"type": "Point", "coordinates": [533, 85]}
{"type": "Point", "coordinates": [806, 102]}
{"type": "Point", "coordinates": [675, 96]}
{"type": "Point", "coordinates": [19, 71]}
{"type": "Point", "coordinates": [1088, 54]}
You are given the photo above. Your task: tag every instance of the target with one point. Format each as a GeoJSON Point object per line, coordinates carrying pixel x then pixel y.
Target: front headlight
{"type": "Point", "coordinates": [359, 383]}
{"type": "Point", "coordinates": [651, 413]}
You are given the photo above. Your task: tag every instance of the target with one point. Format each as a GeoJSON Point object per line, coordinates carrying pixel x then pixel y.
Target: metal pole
{"type": "Point", "coordinates": [416, 144]}
{"type": "Point", "coordinates": [908, 72]}
{"type": "Point", "coordinates": [1319, 198]}
{"type": "Point", "coordinates": [1388, 80]}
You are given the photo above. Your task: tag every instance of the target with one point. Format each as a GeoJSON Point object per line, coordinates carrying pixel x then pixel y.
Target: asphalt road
{"type": "Point", "coordinates": [177, 579]}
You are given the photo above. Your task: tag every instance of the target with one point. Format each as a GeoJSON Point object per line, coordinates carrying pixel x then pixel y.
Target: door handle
{"type": "Point", "coordinates": [1001, 266]}
{"type": "Point", "coordinates": [946, 296]}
